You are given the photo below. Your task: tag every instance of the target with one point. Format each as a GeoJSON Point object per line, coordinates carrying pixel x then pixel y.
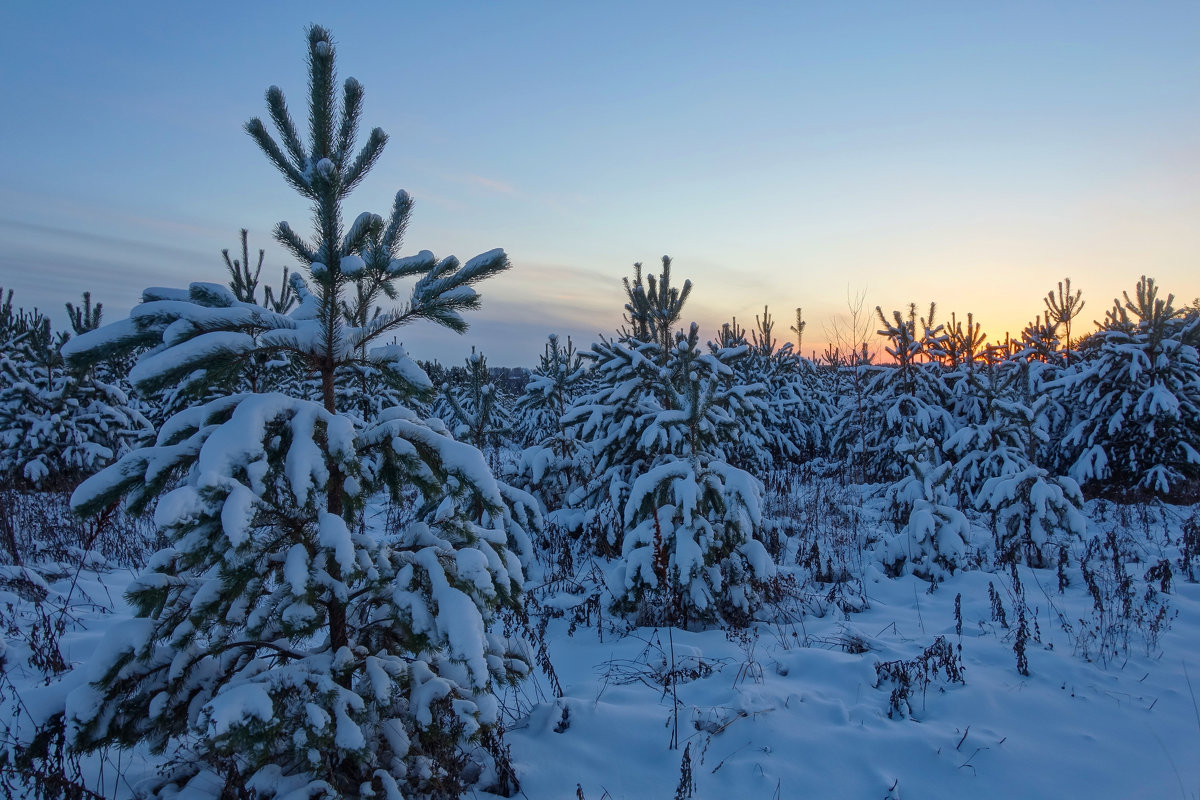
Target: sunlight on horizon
{"type": "Point", "coordinates": [786, 156]}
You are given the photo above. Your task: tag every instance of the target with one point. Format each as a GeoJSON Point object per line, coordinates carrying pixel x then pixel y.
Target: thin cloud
{"type": "Point", "coordinates": [490, 185]}
{"type": "Point", "coordinates": [500, 187]}
{"type": "Point", "coordinates": [58, 233]}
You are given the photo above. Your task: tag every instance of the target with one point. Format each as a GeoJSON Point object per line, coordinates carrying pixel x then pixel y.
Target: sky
{"type": "Point", "coordinates": [815, 155]}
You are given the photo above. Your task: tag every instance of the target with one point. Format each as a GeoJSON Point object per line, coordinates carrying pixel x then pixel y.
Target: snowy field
{"type": "Point", "coordinates": [780, 719]}
{"type": "Point", "coordinates": [808, 701]}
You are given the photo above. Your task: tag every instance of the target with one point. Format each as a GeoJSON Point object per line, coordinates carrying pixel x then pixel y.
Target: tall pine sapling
{"type": "Point", "coordinates": [910, 399]}
{"type": "Point", "coordinates": [279, 647]}
{"type": "Point", "coordinates": [692, 546]}
{"type": "Point", "coordinates": [663, 424]}
{"type": "Point", "coordinates": [790, 427]}
{"type": "Point", "coordinates": [554, 459]}
{"type": "Point", "coordinates": [1137, 399]}
{"type": "Point", "coordinates": [477, 412]}
{"type": "Point", "coordinates": [1061, 309]}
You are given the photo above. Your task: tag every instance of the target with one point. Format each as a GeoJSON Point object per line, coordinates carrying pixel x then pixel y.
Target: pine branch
{"type": "Point", "coordinates": [292, 241]}
{"type": "Point", "coordinates": [321, 83]}
{"type": "Point", "coordinates": [351, 111]}
{"type": "Point", "coordinates": [258, 132]}
{"type": "Point", "coordinates": [286, 126]}
{"type": "Point", "coordinates": [412, 265]}
{"type": "Point", "coordinates": [360, 229]}
{"type": "Point", "coordinates": [366, 159]}
{"type": "Point", "coordinates": [393, 235]}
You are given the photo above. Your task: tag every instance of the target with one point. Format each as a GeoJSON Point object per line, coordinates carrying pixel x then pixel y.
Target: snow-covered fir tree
{"type": "Point", "coordinates": [281, 648]}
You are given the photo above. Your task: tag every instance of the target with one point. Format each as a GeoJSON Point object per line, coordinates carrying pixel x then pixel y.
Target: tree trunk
{"type": "Point", "coordinates": [338, 635]}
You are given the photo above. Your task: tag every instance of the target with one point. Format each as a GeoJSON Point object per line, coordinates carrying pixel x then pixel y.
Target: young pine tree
{"type": "Point", "coordinates": [1136, 399]}
{"type": "Point", "coordinates": [795, 409]}
{"type": "Point", "coordinates": [477, 411]}
{"type": "Point", "coordinates": [58, 425]}
{"type": "Point", "coordinates": [993, 453]}
{"type": "Point", "coordinates": [692, 548]}
{"type": "Point", "coordinates": [554, 459]}
{"type": "Point", "coordinates": [663, 424]}
{"type": "Point", "coordinates": [910, 400]}
{"type": "Point", "coordinates": [279, 646]}
{"type": "Point", "coordinates": [1062, 309]}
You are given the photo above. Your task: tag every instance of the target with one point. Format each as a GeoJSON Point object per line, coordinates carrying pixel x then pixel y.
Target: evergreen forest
{"type": "Point", "coordinates": [253, 547]}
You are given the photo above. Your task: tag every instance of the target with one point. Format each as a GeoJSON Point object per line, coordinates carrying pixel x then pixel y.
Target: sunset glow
{"type": "Point", "coordinates": [782, 154]}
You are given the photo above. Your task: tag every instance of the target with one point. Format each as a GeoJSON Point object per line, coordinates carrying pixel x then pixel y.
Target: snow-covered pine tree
{"type": "Point", "coordinates": [1061, 310]}
{"type": "Point", "coordinates": [57, 425]}
{"type": "Point", "coordinates": [654, 307]}
{"type": "Point", "coordinates": [909, 401]}
{"type": "Point", "coordinates": [992, 453]}
{"type": "Point", "coordinates": [662, 426]}
{"type": "Point", "coordinates": [1039, 342]}
{"type": "Point", "coordinates": [846, 379]}
{"type": "Point", "coordinates": [795, 411]}
{"type": "Point", "coordinates": [477, 411]}
{"type": "Point", "coordinates": [611, 417]}
{"type": "Point", "coordinates": [1136, 399]}
{"type": "Point", "coordinates": [903, 404]}
{"type": "Point", "coordinates": [692, 547]}
{"type": "Point", "coordinates": [554, 459]}
{"type": "Point", "coordinates": [608, 421]}
{"type": "Point", "coordinates": [961, 347]}
{"type": "Point", "coordinates": [986, 438]}
{"type": "Point", "coordinates": [933, 541]}
{"type": "Point", "coordinates": [765, 436]}
{"type": "Point", "coordinates": [280, 648]}
{"type": "Point", "coordinates": [1039, 361]}
{"type": "Point", "coordinates": [554, 383]}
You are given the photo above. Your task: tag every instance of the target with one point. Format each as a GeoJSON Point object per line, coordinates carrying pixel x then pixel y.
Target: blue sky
{"type": "Point", "coordinates": [783, 153]}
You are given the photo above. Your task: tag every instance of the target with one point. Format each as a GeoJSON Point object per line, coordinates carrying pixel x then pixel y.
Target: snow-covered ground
{"type": "Point", "coordinates": [778, 719]}
{"type": "Point", "coordinates": [795, 706]}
